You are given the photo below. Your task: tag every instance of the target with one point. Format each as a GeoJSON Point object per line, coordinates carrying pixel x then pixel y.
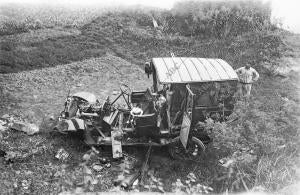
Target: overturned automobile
{"type": "Point", "coordinates": [185, 91]}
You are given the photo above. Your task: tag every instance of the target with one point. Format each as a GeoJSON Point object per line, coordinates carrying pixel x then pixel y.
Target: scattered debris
{"type": "Point", "coordinates": [95, 150]}
{"type": "Point", "coordinates": [118, 180]}
{"type": "Point", "coordinates": [192, 177]}
{"type": "Point", "coordinates": [62, 154]}
{"type": "Point", "coordinates": [195, 153]}
{"type": "Point", "coordinates": [5, 116]}
{"type": "Point", "coordinates": [190, 187]}
{"type": "Point", "coordinates": [2, 128]}
{"type": "Point", "coordinates": [130, 180]}
{"type": "Point", "coordinates": [135, 183]}
{"type": "Point", "coordinates": [97, 167]}
{"type": "Point", "coordinates": [4, 123]}
{"type": "Point", "coordinates": [87, 157]}
{"type": "Point", "coordinates": [281, 146]}
{"type": "Point", "coordinates": [231, 118]}
{"type": "Point", "coordinates": [13, 156]}
{"type": "Point", "coordinates": [108, 165]}
{"type": "Point", "coordinates": [88, 177]}
{"type": "Point", "coordinates": [79, 85]}
{"type": "Point", "coordinates": [26, 184]}
{"type": "Point", "coordinates": [103, 160]}
{"type": "Point", "coordinates": [52, 117]}
{"type": "Point", "coordinates": [226, 163]}
{"type": "Point", "coordinates": [28, 128]}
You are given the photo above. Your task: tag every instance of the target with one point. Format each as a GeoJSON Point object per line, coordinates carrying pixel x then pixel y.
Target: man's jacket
{"type": "Point", "coordinates": [247, 76]}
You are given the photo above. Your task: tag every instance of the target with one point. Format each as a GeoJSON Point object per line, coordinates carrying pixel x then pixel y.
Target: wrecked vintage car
{"type": "Point", "coordinates": [185, 91]}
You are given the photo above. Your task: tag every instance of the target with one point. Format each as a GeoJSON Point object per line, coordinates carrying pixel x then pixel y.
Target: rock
{"type": "Point", "coordinates": [17, 156]}
{"type": "Point", "coordinates": [103, 160]}
{"type": "Point", "coordinates": [25, 184]}
{"type": "Point", "coordinates": [226, 162]}
{"type": "Point", "coordinates": [28, 128]}
{"type": "Point", "coordinates": [95, 150]}
{"type": "Point", "coordinates": [79, 85]}
{"type": "Point", "coordinates": [86, 157]}
{"type": "Point", "coordinates": [52, 117]}
{"type": "Point", "coordinates": [3, 121]}
{"type": "Point", "coordinates": [11, 119]}
{"type": "Point", "coordinates": [2, 128]}
{"type": "Point", "coordinates": [6, 116]}
{"type": "Point", "coordinates": [97, 167]}
{"type": "Point", "coordinates": [62, 154]}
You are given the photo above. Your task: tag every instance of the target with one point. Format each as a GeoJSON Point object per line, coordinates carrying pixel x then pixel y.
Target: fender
{"type": "Point", "coordinates": [89, 97]}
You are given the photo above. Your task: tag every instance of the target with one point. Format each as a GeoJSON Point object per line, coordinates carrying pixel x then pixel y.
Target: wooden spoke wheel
{"type": "Point", "coordinates": [195, 148]}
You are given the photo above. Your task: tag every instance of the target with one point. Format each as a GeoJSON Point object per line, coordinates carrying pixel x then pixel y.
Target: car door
{"type": "Point", "coordinates": [187, 116]}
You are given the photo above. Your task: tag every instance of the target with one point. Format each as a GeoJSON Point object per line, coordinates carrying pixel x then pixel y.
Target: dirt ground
{"type": "Point", "coordinates": [35, 96]}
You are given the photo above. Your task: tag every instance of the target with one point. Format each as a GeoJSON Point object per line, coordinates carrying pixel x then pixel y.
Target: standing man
{"type": "Point", "coordinates": [247, 76]}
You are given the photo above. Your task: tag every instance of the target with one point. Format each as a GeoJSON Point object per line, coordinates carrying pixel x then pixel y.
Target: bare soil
{"type": "Point", "coordinates": [36, 95]}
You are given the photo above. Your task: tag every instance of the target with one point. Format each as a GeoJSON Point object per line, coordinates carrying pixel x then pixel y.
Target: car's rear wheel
{"type": "Point", "coordinates": [195, 148]}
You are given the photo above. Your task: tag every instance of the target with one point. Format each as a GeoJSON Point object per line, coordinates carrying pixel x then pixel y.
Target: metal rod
{"type": "Point", "coordinates": [101, 133]}
{"type": "Point", "coordinates": [117, 98]}
{"type": "Point", "coordinates": [145, 163]}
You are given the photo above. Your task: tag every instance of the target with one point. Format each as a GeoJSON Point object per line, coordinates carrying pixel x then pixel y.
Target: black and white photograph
{"type": "Point", "coordinates": [150, 97]}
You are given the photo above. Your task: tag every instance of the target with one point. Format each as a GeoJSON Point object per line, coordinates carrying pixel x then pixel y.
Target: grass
{"type": "Point", "coordinates": [129, 34]}
{"type": "Point", "coordinates": [268, 125]}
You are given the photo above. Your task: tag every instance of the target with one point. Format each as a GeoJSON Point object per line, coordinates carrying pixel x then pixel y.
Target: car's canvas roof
{"type": "Point", "coordinates": [189, 70]}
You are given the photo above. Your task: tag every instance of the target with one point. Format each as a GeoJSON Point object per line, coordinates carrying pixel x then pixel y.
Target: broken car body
{"type": "Point", "coordinates": [185, 91]}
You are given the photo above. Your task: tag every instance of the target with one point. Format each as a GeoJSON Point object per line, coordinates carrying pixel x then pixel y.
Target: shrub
{"type": "Point", "coordinates": [10, 27]}
{"type": "Point", "coordinates": [256, 148]}
{"type": "Point", "coordinates": [219, 19]}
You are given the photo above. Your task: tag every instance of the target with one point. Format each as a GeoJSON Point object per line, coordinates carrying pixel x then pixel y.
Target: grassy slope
{"type": "Point", "coordinates": [33, 94]}
{"type": "Point", "coordinates": [119, 35]}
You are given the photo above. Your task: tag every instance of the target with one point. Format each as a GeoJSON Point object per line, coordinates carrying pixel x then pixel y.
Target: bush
{"type": "Point", "coordinates": [259, 148]}
{"type": "Point", "coordinates": [10, 27]}
{"type": "Point", "coordinates": [218, 19]}
{"type": "Point", "coordinates": [32, 17]}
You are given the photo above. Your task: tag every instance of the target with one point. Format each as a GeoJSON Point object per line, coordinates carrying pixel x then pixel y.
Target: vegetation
{"type": "Point", "coordinates": [260, 149]}
{"type": "Point", "coordinates": [24, 18]}
{"type": "Point", "coordinates": [220, 19]}
{"type": "Point", "coordinates": [129, 34]}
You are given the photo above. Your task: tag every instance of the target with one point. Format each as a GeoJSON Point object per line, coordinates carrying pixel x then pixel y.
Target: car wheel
{"type": "Point", "coordinates": [195, 148]}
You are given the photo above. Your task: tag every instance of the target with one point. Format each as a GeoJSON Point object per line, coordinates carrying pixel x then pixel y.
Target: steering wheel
{"type": "Point", "coordinates": [125, 89]}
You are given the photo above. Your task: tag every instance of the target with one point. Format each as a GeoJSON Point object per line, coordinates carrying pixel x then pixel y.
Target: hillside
{"type": "Point", "coordinates": [129, 34]}
{"type": "Point", "coordinates": [37, 68]}
{"type": "Point", "coordinates": [51, 85]}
